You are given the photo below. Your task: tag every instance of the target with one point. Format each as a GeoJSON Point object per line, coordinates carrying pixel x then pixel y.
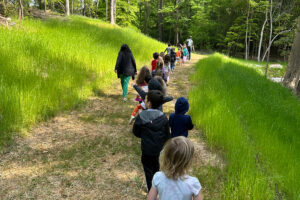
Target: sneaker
{"type": "Point", "coordinates": [131, 119]}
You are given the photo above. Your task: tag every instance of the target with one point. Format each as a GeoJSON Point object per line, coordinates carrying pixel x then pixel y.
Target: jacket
{"type": "Point", "coordinates": [125, 64]}
{"type": "Point", "coordinates": [179, 122]}
{"type": "Point", "coordinates": [152, 127]}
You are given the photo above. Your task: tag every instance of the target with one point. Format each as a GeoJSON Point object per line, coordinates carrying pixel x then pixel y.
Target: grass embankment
{"type": "Point", "coordinates": [48, 66]}
{"type": "Point", "coordinates": [254, 123]}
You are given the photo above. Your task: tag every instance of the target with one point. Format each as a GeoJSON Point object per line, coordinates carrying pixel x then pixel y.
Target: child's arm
{"type": "Point", "coordinates": [136, 129]}
{"type": "Point", "coordinates": [199, 196]}
{"type": "Point", "coordinates": [152, 194]}
{"type": "Point", "coordinates": [140, 91]}
{"type": "Point", "coordinates": [190, 123]}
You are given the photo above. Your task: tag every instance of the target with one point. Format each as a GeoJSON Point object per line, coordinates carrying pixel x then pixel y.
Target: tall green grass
{"type": "Point", "coordinates": [48, 66]}
{"type": "Point", "coordinates": [254, 123]}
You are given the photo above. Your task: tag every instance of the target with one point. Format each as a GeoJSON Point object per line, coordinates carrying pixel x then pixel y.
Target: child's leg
{"type": "Point", "coordinates": [136, 109]}
{"type": "Point", "coordinates": [151, 166]}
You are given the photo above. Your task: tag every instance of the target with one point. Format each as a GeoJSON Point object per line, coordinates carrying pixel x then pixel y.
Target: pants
{"type": "Point", "coordinates": [124, 82]}
{"type": "Point", "coordinates": [151, 166]}
{"type": "Point", "coordinates": [172, 65]}
{"type": "Point", "coordinates": [189, 50]}
{"type": "Point", "coordinates": [136, 110]}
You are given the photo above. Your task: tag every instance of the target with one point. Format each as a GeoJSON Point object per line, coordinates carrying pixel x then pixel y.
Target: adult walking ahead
{"type": "Point", "coordinates": [190, 46]}
{"type": "Point", "coordinates": [125, 68]}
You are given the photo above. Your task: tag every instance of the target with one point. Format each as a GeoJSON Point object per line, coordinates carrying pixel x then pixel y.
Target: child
{"type": "Point", "coordinates": [142, 82]}
{"type": "Point", "coordinates": [173, 58]}
{"type": "Point", "coordinates": [178, 56]}
{"type": "Point", "coordinates": [152, 127]}
{"type": "Point", "coordinates": [168, 49]}
{"type": "Point", "coordinates": [167, 60]}
{"type": "Point", "coordinates": [153, 84]}
{"type": "Point", "coordinates": [185, 53]}
{"type": "Point", "coordinates": [172, 182]}
{"type": "Point", "coordinates": [161, 71]}
{"type": "Point", "coordinates": [154, 62]}
{"type": "Point", "coordinates": [179, 122]}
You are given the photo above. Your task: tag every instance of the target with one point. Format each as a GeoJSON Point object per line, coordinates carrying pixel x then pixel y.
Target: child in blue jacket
{"type": "Point", "coordinates": [179, 122]}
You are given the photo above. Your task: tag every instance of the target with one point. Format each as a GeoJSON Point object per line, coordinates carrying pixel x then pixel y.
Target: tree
{"type": "Point", "coordinates": [292, 75]}
{"type": "Point", "coordinates": [67, 8]}
{"type": "Point", "coordinates": [112, 11]}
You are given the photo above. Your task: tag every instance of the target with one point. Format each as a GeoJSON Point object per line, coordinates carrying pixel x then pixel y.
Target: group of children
{"type": "Point", "coordinates": [164, 141]}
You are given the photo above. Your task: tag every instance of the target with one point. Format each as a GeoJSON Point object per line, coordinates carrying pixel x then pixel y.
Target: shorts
{"type": "Point", "coordinates": [177, 58]}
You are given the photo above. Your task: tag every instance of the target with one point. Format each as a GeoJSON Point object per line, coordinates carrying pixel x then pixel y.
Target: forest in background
{"type": "Point", "coordinates": [239, 28]}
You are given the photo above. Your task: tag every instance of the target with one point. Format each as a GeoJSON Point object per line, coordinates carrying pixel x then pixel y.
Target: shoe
{"type": "Point", "coordinates": [125, 99]}
{"type": "Point", "coordinates": [131, 119]}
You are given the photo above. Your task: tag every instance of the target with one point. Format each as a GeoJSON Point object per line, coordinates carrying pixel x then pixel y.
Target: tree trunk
{"type": "Point", "coordinates": [270, 37]}
{"type": "Point", "coordinates": [261, 36]}
{"type": "Point", "coordinates": [106, 10]}
{"type": "Point", "coordinates": [67, 8]}
{"type": "Point", "coordinates": [247, 28]}
{"type": "Point", "coordinates": [112, 15]}
{"type": "Point", "coordinates": [176, 41]}
{"type": "Point", "coordinates": [21, 15]}
{"type": "Point", "coordinates": [115, 10]}
{"type": "Point", "coordinates": [83, 7]}
{"type": "Point", "coordinates": [160, 21]}
{"type": "Point", "coordinates": [45, 6]}
{"type": "Point", "coordinates": [146, 16]}
{"type": "Point", "coordinates": [292, 75]}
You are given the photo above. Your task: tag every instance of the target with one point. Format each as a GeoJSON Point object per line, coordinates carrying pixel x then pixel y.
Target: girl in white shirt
{"type": "Point", "coordinates": [172, 182]}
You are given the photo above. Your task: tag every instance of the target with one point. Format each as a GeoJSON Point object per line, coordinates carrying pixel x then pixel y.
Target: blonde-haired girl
{"type": "Point", "coordinates": [172, 182]}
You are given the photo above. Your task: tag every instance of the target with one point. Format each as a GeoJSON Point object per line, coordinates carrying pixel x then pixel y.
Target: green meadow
{"type": "Point", "coordinates": [253, 123]}
{"type": "Point", "coordinates": [52, 65]}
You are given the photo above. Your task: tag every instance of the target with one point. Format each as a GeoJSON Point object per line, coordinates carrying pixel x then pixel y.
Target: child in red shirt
{"type": "Point", "coordinates": [154, 62]}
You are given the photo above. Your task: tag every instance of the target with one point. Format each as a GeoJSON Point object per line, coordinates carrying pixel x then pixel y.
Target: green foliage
{"type": "Point", "coordinates": [51, 65]}
{"type": "Point", "coordinates": [255, 125]}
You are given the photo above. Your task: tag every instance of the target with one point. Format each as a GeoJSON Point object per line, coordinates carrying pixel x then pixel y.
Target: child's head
{"type": "Point", "coordinates": [154, 99]}
{"type": "Point", "coordinates": [144, 71]}
{"type": "Point", "coordinates": [169, 44]}
{"type": "Point", "coordinates": [155, 55]}
{"type": "Point", "coordinates": [176, 157]}
{"type": "Point", "coordinates": [162, 54]}
{"type": "Point", "coordinates": [167, 58]}
{"type": "Point", "coordinates": [148, 78]}
{"type": "Point", "coordinates": [181, 105]}
{"type": "Point", "coordinates": [160, 64]}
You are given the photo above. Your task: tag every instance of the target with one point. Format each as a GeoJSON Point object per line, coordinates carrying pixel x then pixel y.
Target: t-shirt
{"type": "Point", "coordinates": [190, 42]}
{"type": "Point", "coordinates": [154, 62]}
{"type": "Point", "coordinates": [178, 54]}
{"type": "Point", "coordinates": [180, 189]}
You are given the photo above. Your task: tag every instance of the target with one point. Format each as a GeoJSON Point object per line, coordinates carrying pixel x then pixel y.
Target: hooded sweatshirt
{"type": "Point", "coordinates": [152, 127]}
{"type": "Point", "coordinates": [179, 122]}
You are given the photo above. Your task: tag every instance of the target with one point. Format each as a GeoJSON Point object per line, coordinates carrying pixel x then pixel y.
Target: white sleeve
{"type": "Point", "coordinates": [155, 180]}
{"type": "Point", "coordinates": [196, 186]}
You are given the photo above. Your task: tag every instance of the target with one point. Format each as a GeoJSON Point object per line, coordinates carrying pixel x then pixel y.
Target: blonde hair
{"type": "Point", "coordinates": [176, 156]}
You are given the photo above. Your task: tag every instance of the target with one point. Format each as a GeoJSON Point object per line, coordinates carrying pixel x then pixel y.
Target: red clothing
{"type": "Point", "coordinates": [178, 54]}
{"type": "Point", "coordinates": [154, 62]}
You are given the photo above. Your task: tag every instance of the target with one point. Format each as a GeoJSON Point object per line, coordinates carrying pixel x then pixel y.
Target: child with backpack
{"type": "Point", "coordinates": [179, 122]}
{"type": "Point", "coordinates": [172, 182]}
{"type": "Point", "coordinates": [185, 53]}
{"type": "Point", "coordinates": [152, 127]}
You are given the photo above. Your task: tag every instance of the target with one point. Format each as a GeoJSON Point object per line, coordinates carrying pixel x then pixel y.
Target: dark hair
{"type": "Point", "coordinates": [148, 78]}
{"type": "Point", "coordinates": [155, 55]}
{"type": "Point", "coordinates": [125, 48]}
{"type": "Point", "coordinates": [169, 44]}
{"type": "Point", "coordinates": [162, 54]}
{"type": "Point", "coordinates": [156, 98]}
{"type": "Point", "coordinates": [144, 71]}
{"type": "Point", "coordinates": [167, 58]}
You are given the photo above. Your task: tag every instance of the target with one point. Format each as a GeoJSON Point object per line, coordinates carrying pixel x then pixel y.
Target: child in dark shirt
{"type": "Point", "coordinates": [152, 127]}
{"type": "Point", "coordinates": [179, 122]}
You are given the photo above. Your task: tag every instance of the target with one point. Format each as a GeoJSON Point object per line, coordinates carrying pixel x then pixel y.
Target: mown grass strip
{"type": "Point", "coordinates": [254, 123]}
{"type": "Point", "coordinates": [52, 65]}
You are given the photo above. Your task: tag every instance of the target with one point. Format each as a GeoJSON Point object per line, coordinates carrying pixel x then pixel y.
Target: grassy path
{"type": "Point", "coordinates": [89, 152]}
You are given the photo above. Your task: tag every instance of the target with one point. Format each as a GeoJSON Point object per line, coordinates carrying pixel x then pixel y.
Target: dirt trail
{"type": "Point", "coordinates": [88, 153]}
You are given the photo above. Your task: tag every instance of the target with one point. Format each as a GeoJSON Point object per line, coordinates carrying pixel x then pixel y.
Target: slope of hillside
{"type": "Point", "coordinates": [254, 123]}
{"type": "Point", "coordinates": [51, 65]}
